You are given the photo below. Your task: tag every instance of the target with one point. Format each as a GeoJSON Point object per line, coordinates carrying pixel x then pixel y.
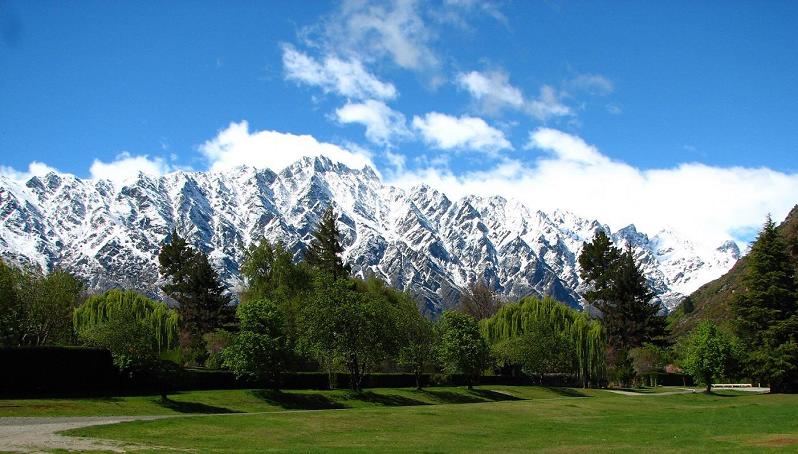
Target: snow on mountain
{"type": "Point", "coordinates": [416, 239]}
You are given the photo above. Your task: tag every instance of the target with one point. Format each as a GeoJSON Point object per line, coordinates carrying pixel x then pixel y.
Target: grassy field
{"type": "Point", "coordinates": [245, 401]}
{"type": "Point", "coordinates": [550, 421]}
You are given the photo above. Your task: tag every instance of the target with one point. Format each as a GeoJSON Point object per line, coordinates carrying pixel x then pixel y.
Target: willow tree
{"type": "Point", "coordinates": [518, 322]}
{"type": "Point", "coordinates": [162, 322]}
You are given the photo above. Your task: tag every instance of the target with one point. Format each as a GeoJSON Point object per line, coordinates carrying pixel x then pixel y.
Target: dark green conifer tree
{"type": "Point", "coordinates": [596, 262]}
{"type": "Point", "coordinates": [767, 311]}
{"type": "Point", "coordinates": [325, 250]}
{"type": "Point", "coordinates": [618, 288]}
{"type": "Point", "coordinates": [192, 282]}
{"type": "Point", "coordinates": [637, 319]}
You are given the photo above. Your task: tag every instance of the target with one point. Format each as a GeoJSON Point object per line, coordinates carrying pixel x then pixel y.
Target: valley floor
{"type": "Point", "coordinates": [490, 419]}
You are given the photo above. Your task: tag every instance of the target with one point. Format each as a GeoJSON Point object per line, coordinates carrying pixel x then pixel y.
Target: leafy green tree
{"type": "Point", "coordinates": [131, 343]}
{"type": "Point", "coordinates": [539, 351]}
{"type": "Point", "coordinates": [324, 252]}
{"type": "Point", "coordinates": [646, 360]}
{"type": "Point", "coordinates": [540, 336]}
{"type": "Point", "coordinates": [49, 302]}
{"type": "Point", "coordinates": [259, 350]}
{"type": "Point", "coordinates": [347, 322]}
{"type": "Point", "coordinates": [12, 308]}
{"type": "Point", "coordinates": [479, 301]}
{"type": "Point", "coordinates": [462, 347]}
{"type": "Point", "coordinates": [766, 312]}
{"type": "Point", "coordinates": [215, 343]}
{"type": "Point", "coordinates": [270, 273]}
{"type": "Point", "coordinates": [417, 349]}
{"type": "Point", "coordinates": [709, 354]}
{"type": "Point", "coordinates": [162, 322]}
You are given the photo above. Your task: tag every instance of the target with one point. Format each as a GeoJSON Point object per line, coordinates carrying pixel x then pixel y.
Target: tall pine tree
{"type": "Point", "coordinates": [192, 282]}
{"type": "Point", "coordinates": [325, 250]}
{"type": "Point", "coordinates": [597, 261]}
{"type": "Point", "coordinates": [618, 288]}
{"type": "Point", "coordinates": [767, 311]}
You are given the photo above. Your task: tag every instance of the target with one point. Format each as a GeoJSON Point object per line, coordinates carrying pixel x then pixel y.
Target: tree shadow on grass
{"type": "Point", "coordinates": [296, 401]}
{"type": "Point", "coordinates": [493, 396]}
{"type": "Point", "coordinates": [387, 400]}
{"type": "Point", "coordinates": [721, 393]}
{"type": "Point", "coordinates": [638, 390]}
{"type": "Point", "coordinates": [566, 392]}
{"type": "Point", "coordinates": [193, 407]}
{"type": "Point", "coordinates": [448, 397]}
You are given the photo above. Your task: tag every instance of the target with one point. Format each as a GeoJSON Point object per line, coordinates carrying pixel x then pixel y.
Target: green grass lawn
{"type": "Point", "coordinates": [241, 401]}
{"type": "Point", "coordinates": [549, 421]}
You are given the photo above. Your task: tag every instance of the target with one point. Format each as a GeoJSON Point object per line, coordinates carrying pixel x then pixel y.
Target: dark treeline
{"type": "Point", "coordinates": [312, 315]}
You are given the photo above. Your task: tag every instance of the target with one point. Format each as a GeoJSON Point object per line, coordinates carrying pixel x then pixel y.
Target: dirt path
{"type": "Point", "coordinates": [38, 434]}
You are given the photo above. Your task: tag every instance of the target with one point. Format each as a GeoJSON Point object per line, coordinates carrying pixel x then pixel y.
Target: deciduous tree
{"type": "Point", "coordinates": [462, 347]}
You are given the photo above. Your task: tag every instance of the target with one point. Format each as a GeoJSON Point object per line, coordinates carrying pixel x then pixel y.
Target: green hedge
{"type": "Point", "coordinates": [43, 371]}
{"type": "Point", "coordinates": [56, 370]}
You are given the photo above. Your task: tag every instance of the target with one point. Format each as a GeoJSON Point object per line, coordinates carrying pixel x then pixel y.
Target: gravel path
{"type": "Point", "coordinates": [38, 434]}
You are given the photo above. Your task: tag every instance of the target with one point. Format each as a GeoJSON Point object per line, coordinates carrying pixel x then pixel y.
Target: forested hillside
{"type": "Point", "coordinates": [712, 300]}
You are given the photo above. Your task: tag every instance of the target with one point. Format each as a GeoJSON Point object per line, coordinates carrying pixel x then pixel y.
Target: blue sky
{"type": "Point", "coordinates": [683, 110]}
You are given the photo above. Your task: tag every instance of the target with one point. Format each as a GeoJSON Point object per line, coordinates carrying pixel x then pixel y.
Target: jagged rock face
{"type": "Point", "coordinates": [417, 240]}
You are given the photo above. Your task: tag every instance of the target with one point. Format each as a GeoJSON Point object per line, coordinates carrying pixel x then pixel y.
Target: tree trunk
{"type": "Point", "coordinates": [354, 372]}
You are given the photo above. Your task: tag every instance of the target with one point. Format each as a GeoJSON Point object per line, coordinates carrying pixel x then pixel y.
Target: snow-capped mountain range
{"type": "Point", "coordinates": [416, 239]}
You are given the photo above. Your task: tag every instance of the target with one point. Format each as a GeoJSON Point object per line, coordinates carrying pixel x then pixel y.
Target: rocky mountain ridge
{"type": "Point", "coordinates": [417, 239]}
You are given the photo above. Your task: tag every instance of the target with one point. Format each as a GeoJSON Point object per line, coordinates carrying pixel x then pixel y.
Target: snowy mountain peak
{"type": "Point", "coordinates": [417, 239]}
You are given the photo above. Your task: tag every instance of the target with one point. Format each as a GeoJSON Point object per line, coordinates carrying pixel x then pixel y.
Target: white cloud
{"type": "Point", "coordinates": [35, 169]}
{"type": "Point", "coordinates": [125, 168]}
{"type": "Point", "coordinates": [706, 204]}
{"type": "Point", "coordinates": [333, 75]}
{"type": "Point", "coordinates": [491, 89]}
{"type": "Point", "coordinates": [465, 133]}
{"type": "Point", "coordinates": [547, 105]}
{"type": "Point", "coordinates": [614, 109]}
{"type": "Point", "coordinates": [396, 160]}
{"type": "Point", "coordinates": [493, 92]}
{"type": "Point", "coordinates": [489, 8]}
{"type": "Point", "coordinates": [594, 84]}
{"type": "Point", "coordinates": [565, 147]}
{"type": "Point", "coordinates": [373, 30]}
{"type": "Point", "coordinates": [383, 124]}
{"type": "Point", "coordinates": [236, 146]}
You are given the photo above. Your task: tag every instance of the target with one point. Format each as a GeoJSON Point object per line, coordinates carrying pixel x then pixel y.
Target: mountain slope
{"type": "Point", "coordinates": [712, 300]}
{"type": "Point", "coordinates": [416, 239]}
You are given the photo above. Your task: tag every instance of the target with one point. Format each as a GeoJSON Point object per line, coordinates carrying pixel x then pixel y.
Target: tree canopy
{"type": "Point", "coordinates": [479, 301]}
{"type": "Point", "coordinates": [194, 284]}
{"type": "Point", "coordinates": [162, 323]}
{"type": "Point", "coordinates": [620, 291]}
{"type": "Point", "coordinates": [324, 252]}
{"type": "Point", "coordinates": [709, 354]}
{"type": "Point", "coordinates": [535, 333]}
{"type": "Point", "coordinates": [767, 311]}
{"type": "Point", "coordinates": [462, 347]}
